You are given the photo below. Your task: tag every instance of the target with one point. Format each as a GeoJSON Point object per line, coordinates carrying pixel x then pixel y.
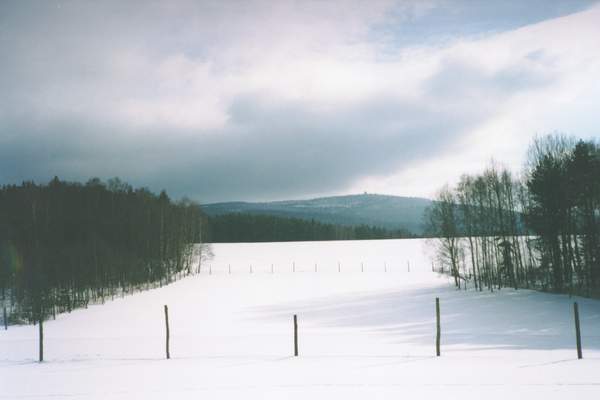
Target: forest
{"type": "Point", "coordinates": [538, 230]}
{"type": "Point", "coordinates": [246, 227]}
{"type": "Point", "coordinates": [64, 245]}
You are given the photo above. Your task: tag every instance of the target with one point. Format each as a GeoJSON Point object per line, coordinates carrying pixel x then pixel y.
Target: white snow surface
{"type": "Point", "coordinates": [362, 335]}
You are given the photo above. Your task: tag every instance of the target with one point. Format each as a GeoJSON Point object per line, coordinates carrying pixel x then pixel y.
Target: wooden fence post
{"type": "Point", "coordinates": [41, 330]}
{"type": "Point", "coordinates": [4, 318]}
{"type": "Point", "coordinates": [295, 336]}
{"type": "Point", "coordinates": [168, 332]}
{"type": "Point", "coordinates": [294, 266]}
{"type": "Point", "coordinates": [577, 330]}
{"type": "Point", "coordinates": [230, 268]}
{"type": "Point", "coordinates": [408, 265]}
{"type": "Point", "coordinates": [438, 328]}
{"type": "Point", "coordinates": [339, 267]}
{"type": "Point", "coordinates": [362, 268]}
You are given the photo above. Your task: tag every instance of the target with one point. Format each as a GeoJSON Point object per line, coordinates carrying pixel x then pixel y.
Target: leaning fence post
{"type": "Point", "coordinates": [168, 333]}
{"type": "Point", "coordinates": [577, 330]}
{"type": "Point", "coordinates": [438, 328]}
{"type": "Point", "coordinates": [295, 336]}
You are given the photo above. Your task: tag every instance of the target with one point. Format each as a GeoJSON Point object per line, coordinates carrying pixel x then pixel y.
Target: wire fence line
{"type": "Point", "coordinates": [405, 266]}
{"type": "Point", "coordinates": [304, 329]}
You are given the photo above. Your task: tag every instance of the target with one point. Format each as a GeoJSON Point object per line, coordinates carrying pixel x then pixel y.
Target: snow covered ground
{"type": "Point", "coordinates": [362, 335]}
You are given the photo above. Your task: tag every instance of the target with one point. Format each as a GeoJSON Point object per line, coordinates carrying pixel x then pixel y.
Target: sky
{"type": "Point", "coordinates": [271, 100]}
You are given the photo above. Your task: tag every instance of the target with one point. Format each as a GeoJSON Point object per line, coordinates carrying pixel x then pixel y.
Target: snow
{"type": "Point", "coordinates": [362, 335]}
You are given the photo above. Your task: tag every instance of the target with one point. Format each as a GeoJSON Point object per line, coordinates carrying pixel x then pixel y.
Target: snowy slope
{"type": "Point", "coordinates": [362, 334]}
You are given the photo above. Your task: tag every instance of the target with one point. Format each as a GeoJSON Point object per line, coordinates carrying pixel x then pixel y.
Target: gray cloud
{"type": "Point", "coordinates": [274, 150]}
{"type": "Point", "coordinates": [167, 97]}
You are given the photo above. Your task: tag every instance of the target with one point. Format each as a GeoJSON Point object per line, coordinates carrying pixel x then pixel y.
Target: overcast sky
{"type": "Point", "coordinates": [268, 100]}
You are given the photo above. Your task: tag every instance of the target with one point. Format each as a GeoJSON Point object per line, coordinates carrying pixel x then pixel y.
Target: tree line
{"type": "Point", "coordinates": [539, 230]}
{"type": "Point", "coordinates": [65, 244]}
{"type": "Point", "coordinates": [246, 227]}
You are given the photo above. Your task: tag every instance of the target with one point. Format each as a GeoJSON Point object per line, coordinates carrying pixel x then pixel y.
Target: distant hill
{"type": "Point", "coordinates": [390, 212]}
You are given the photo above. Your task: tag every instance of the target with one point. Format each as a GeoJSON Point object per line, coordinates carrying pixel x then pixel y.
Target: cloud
{"type": "Point", "coordinates": [263, 100]}
{"type": "Point", "coordinates": [268, 147]}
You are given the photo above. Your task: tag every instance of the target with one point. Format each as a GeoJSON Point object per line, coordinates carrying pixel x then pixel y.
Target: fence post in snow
{"type": "Point", "coordinates": [294, 266]}
{"type": "Point", "coordinates": [4, 318]}
{"type": "Point", "coordinates": [384, 267]}
{"type": "Point", "coordinates": [41, 338]}
{"type": "Point", "coordinates": [271, 268]}
{"type": "Point", "coordinates": [438, 328]}
{"type": "Point", "coordinates": [577, 330]}
{"type": "Point", "coordinates": [339, 267]}
{"type": "Point", "coordinates": [315, 267]}
{"type": "Point", "coordinates": [168, 333]}
{"type": "Point", "coordinates": [362, 269]}
{"type": "Point", "coordinates": [408, 265]}
{"type": "Point", "coordinates": [295, 336]}
{"type": "Point", "coordinates": [230, 268]}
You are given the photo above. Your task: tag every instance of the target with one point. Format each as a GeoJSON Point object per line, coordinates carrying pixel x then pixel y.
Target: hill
{"type": "Point", "coordinates": [389, 212]}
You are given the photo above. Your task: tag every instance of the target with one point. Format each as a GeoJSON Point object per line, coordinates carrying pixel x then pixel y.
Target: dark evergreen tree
{"type": "Point", "coordinates": [63, 245]}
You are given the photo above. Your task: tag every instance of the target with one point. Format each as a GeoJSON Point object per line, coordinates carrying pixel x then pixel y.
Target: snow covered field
{"type": "Point", "coordinates": [362, 335]}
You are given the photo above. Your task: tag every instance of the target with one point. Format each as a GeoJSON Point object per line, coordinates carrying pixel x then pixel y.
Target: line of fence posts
{"type": "Point", "coordinates": [437, 338]}
{"type": "Point", "coordinates": [362, 267]}
{"type": "Point", "coordinates": [575, 316]}
{"type": "Point", "coordinates": [438, 335]}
